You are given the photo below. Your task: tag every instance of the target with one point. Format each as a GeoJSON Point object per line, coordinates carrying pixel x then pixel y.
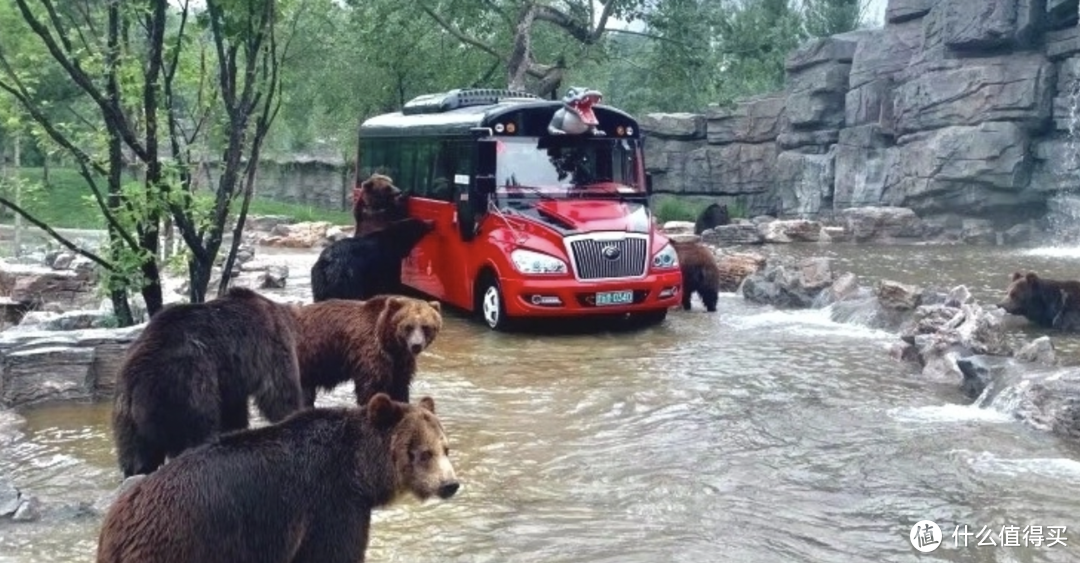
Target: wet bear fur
{"type": "Point", "coordinates": [376, 204]}
{"type": "Point", "coordinates": [300, 491]}
{"type": "Point", "coordinates": [189, 374]}
{"type": "Point", "coordinates": [361, 268]}
{"type": "Point", "coordinates": [372, 343]}
{"type": "Point", "coordinates": [715, 215]}
{"type": "Point", "coordinates": [1046, 303]}
{"type": "Point", "coordinates": [700, 273]}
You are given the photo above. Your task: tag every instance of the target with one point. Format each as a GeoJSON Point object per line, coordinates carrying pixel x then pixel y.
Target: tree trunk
{"type": "Point", "coordinates": [17, 164]}
{"type": "Point", "coordinates": [199, 278]}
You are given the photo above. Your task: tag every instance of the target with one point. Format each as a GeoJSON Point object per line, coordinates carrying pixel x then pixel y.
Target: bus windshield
{"type": "Point", "coordinates": [567, 166]}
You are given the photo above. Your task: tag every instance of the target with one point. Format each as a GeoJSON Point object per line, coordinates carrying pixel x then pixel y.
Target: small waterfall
{"type": "Point", "coordinates": [1064, 208]}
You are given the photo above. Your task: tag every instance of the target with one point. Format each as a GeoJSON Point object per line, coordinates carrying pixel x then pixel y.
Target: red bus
{"type": "Point", "coordinates": [527, 223]}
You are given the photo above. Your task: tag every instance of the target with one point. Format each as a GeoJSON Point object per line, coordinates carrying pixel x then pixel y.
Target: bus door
{"type": "Point", "coordinates": [437, 266]}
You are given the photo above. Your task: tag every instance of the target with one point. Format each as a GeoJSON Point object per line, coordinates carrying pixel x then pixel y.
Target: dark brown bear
{"type": "Point", "coordinates": [363, 267]}
{"type": "Point", "coordinates": [376, 204]}
{"type": "Point", "coordinates": [189, 374]}
{"type": "Point", "coordinates": [300, 491]}
{"type": "Point", "coordinates": [373, 343]}
{"type": "Point", "coordinates": [715, 215]}
{"type": "Point", "coordinates": [1047, 303]}
{"type": "Point", "coordinates": [700, 274]}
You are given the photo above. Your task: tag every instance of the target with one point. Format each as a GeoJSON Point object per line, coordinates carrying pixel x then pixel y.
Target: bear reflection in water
{"type": "Point", "coordinates": [299, 491]}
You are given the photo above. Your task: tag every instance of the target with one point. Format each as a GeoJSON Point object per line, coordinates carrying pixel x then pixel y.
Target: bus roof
{"type": "Point", "coordinates": [455, 112]}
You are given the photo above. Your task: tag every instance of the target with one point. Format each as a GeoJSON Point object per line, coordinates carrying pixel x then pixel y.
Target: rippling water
{"type": "Point", "coordinates": [750, 435]}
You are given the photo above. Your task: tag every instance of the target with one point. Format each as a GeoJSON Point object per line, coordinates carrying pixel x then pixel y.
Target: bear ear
{"type": "Point", "coordinates": [1031, 277]}
{"type": "Point", "coordinates": [436, 305]}
{"type": "Point", "coordinates": [428, 404]}
{"type": "Point", "coordinates": [384, 412]}
{"type": "Point", "coordinates": [391, 305]}
{"type": "Point", "coordinates": [1017, 275]}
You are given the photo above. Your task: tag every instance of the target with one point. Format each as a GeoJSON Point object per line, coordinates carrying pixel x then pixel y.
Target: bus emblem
{"type": "Point", "coordinates": [611, 252]}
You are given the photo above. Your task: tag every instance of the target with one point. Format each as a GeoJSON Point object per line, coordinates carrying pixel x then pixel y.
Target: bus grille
{"type": "Point", "coordinates": [593, 258]}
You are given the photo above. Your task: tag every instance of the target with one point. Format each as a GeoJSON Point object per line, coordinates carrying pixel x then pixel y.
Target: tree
{"type": "Point", "coordinates": [578, 21]}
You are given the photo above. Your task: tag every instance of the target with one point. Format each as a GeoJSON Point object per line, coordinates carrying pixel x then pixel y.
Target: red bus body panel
{"type": "Point", "coordinates": [445, 267]}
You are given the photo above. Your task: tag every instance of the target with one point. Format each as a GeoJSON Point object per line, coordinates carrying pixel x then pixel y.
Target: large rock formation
{"type": "Point", "coordinates": [956, 109]}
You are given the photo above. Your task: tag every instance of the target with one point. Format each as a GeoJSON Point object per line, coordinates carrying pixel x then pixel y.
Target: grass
{"type": "Point", "coordinates": [61, 203]}
{"type": "Point", "coordinates": [674, 208]}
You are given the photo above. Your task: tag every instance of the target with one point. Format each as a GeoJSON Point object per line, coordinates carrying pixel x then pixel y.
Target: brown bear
{"type": "Point", "coordinates": [700, 272]}
{"type": "Point", "coordinates": [377, 203]}
{"type": "Point", "coordinates": [1045, 302]}
{"type": "Point", "coordinates": [299, 491]}
{"type": "Point", "coordinates": [715, 215]}
{"type": "Point", "coordinates": [374, 343]}
{"type": "Point", "coordinates": [189, 374]}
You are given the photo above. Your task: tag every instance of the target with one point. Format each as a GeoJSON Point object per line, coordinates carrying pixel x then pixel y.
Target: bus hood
{"type": "Point", "coordinates": [585, 215]}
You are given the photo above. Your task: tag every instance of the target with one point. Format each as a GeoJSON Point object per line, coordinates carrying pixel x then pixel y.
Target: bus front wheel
{"type": "Point", "coordinates": [490, 304]}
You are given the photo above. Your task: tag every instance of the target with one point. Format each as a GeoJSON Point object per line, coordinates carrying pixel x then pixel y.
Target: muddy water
{"type": "Point", "coordinates": [751, 435]}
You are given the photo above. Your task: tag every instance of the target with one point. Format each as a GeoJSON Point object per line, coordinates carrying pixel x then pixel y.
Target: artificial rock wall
{"type": "Point", "coordinates": [955, 108]}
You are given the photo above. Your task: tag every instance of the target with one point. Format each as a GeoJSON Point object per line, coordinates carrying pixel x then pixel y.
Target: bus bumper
{"type": "Point", "coordinates": [531, 297]}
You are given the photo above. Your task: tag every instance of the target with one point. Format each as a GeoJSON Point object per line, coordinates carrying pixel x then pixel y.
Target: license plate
{"type": "Point", "coordinates": [614, 298]}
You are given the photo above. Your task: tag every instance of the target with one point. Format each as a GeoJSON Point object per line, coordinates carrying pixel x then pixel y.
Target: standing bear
{"type": "Point", "coordinates": [189, 375]}
{"type": "Point", "coordinates": [376, 204]}
{"type": "Point", "coordinates": [1046, 303]}
{"type": "Point", "coordinates": [373, 343]}
{"type": "Point", "coordinates": [360, 268]}
{"type": "Point", "coordinates": [299, 491]}
{"type": "Point", "coordinates": [700, 272]}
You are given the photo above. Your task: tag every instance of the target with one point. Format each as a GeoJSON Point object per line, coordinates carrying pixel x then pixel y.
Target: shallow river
{"type": "Point", "coordinates": [752, 435]}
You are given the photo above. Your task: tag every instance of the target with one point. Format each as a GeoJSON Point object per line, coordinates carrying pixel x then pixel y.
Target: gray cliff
{"type": "Point", "coordinates": [955, 109]}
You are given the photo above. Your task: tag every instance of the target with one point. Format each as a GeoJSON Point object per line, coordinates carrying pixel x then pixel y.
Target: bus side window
{"type": "Point", "coordinates": [405, 177]}
{"type": "Point", "coordinates": [442, 184]}
{"type": "Point", "coordinates": [426, 154]}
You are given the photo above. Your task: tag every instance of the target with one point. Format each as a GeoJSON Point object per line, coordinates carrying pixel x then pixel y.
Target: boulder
{"type": "Point", "coordinates": [274, 277]}
{"type": "Point", "coordinates": [728, 235]}
{"type": "Point", "coordinates": [881, 223]}
{"type": "Point", "coordinates": [266, 223]}
{"type": "Point", "coordinates": [795, 230]}
{"type": "Point", "coordinates": [898, 296]}
{"type": "Point", "coordinates": [683, 126]}
{"type": "Point", "coordinates": [788, 284]}
{"type": "Point", "coordinates": [43, 366]}
{"type": "Point", "coordinates": [753, 120]}
{"type": "Point", "coordinates": [985, 25]}
{"type": "Point", "coordinates": [735, 267]}
{"type": "Point", "coordinates": [38, 284]}
{"type": "Point", "coordinates": [298, 235]}
{"type": "Point", "coordinates": [885, 52]}
{"type": "Point", "coordinates": [899, 11]}
{"type": "Point", "coordinates": [804, 183]}
{"type": "Point", "coordinates": [862, 160]}
{"type": "Point", "coordinates": [678, 227]}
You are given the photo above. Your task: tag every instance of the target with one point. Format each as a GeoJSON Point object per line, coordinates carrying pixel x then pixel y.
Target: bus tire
{"type": "Point", "coordinates": [490, 306]}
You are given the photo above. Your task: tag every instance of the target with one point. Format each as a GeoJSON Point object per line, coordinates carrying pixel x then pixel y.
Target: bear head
{"type": "Point", "coordinates": [409, 324]}
{"type": "Point", "coordinates": [419, 450]}
{"type": "Point", "coordinates": [377, 192]}
{"type": "Point", "coordinates": [400, 237]}
{"type": "Point", "coordinates": [1023, 295]}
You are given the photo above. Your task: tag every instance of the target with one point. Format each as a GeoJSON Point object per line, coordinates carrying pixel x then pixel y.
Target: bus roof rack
{"type": "Point", "coordinates": [461, 98]}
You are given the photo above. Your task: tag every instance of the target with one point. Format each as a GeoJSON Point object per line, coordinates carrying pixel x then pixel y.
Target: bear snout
{"type": "Point", "coordinates": [447, 490]}
{"type": "Point", "coordinates": [416, 348]}
{"type": "Point", "coordinates": [416, 341]}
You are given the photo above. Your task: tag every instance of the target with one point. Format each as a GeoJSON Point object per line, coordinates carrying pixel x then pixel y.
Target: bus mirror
{"type": "Point", "coordinates": [481, 131]}
{"type": "Point", "coordinates": [648, 183]}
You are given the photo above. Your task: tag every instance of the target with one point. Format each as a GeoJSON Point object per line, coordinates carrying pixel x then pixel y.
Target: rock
{"type": "Point", "coordinates": [274, 277]}
{"type": "Point", "coordinates": [298, 235]}
{"type": "Point", "coordinates": [786, 284]}
{"type": "Point", "coordinates": [1017, 88]}
{"type": "Point", "coordinates": [845, 287]}
{"type": "Point", "coordinates": [957, 296]}
{"type": "Point", "coordinates": [266, 223]}
{"type": "Point", "coordinates": [834, 234]}
{"type": "Point", "coordinates": [62, 261]}
{"type": "Point", "coordinates": [977, 373]}
{"type": "Point", "coordinates": [683, 126]}
{"type": "Point", "coordinates": [804, 181]}
{"type": "Point", "coordinates": [43, 366]}
{"type": "Point", "coordinates": [34, 284]}
{"type": "Point", "coordinates": [9, 499]}
{"type": "Point", "coordinates": [29, 509]}
{"type": "Point", "coordinates": [898, 296]}
{"type": "Point", "coordinates": [74, 320]}
{"type": "Point", "coordinates": [882, 223]}
{"type": "Point", "coordinates": [727, 235]}
{"type": "Point", "coordinates": [1039, 351]}
{"type": "Point", "coordinates": [735, 267]}
{"type": "Point", "coordinates": [796, 230]}
{"type": "Point", "coordinates": [753, 120]}
{"type": "Point", "coordinates": [813, 53]}
{"type": "Point", "coordinates": [987, 24]}
{"type": "Point", "coordinates": [885, 52]}
{"type": "Point", "coordinates": [1018, 234]}
{"type": "Point", "coordinates": [978, 231]}
{"type": "Point", "coordinates": [980, 169]}
{"type": "Point", "coordinates": [898, 11]}
{"type": "Point", "coordinates": [736, 168]}
{"type": "Point", "coordinates": [678, 228]}
{"type": "Point", "coordinates": [338, 232]}
{"type": "Point", "coordinates": [1051, 403]}
{"type": "Point", "coordinates": [862, 159]}
{"type": "Point", "coordinates": [684, 238]}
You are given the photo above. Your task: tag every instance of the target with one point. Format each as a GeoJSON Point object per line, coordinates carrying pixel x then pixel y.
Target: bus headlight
{"type": "Point", "coordinates": [529, 262]}
{"type": "Point", "coordinates": [666, 258]}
